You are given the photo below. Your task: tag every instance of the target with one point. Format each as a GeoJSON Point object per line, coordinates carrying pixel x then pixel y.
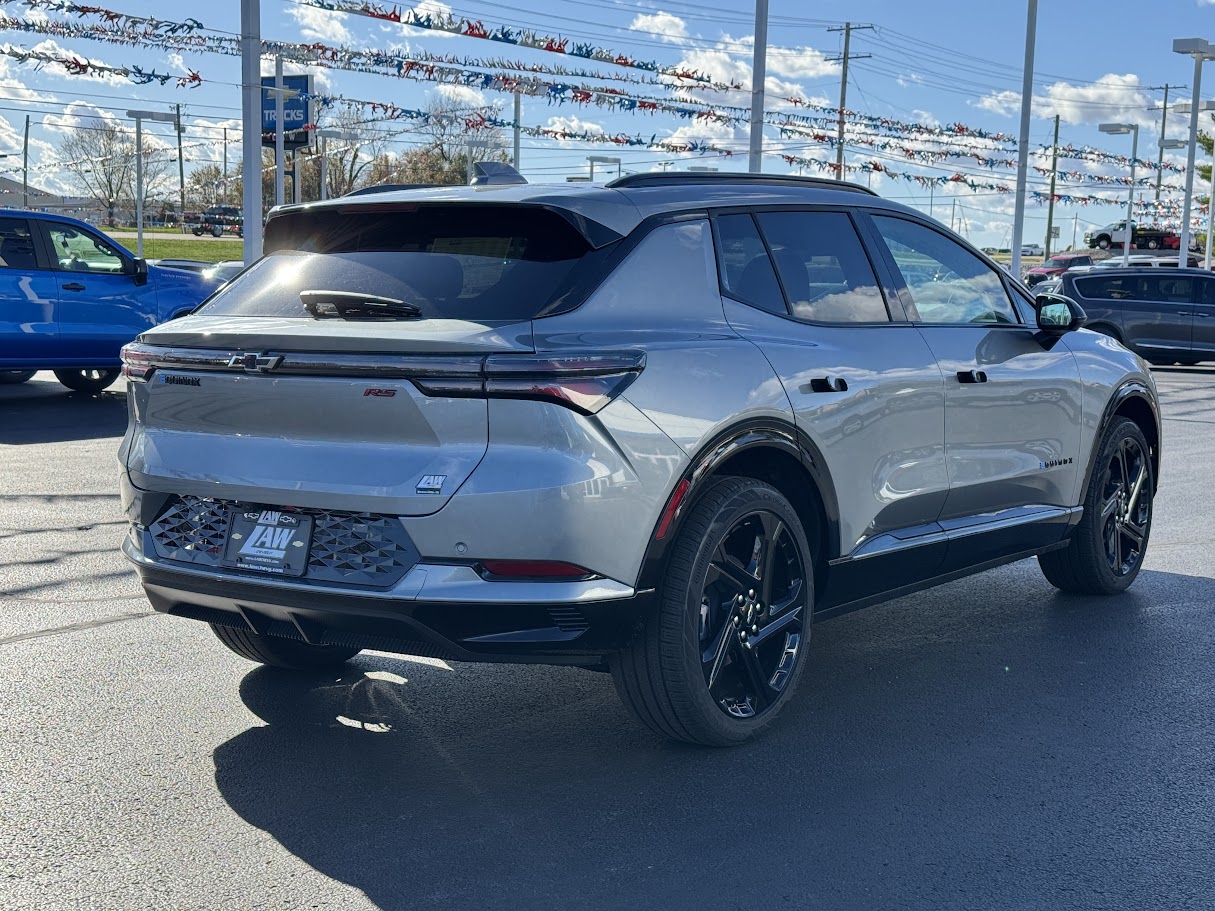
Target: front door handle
{"type": "Point", "coordinates": [972, 376]}
{"type": "Point", "coordinates": [73, 286]}
{"type": "Point", "coordinates": [1202, 315]}
{"type": "Point", "coordinates": [826, 384]}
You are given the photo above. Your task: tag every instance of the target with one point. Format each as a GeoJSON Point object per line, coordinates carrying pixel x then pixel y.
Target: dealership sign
{"type": "Point", "coordinates": [297, 110]}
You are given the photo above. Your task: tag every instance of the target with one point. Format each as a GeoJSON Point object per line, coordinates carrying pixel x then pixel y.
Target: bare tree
{"type": "Point", "coordinates": [100, 161]}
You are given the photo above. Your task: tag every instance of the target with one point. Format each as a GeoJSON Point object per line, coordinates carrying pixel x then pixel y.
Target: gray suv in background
{"type": "Point", "coordinates": [1165, 315]}
{"type": "Point", "coordinates": [656, 428]}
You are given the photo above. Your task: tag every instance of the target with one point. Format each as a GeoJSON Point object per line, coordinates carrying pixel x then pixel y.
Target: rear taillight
{"type": "Point", "coordinates": [137, 363]}
{"type": "Point", "coordinates": [547, 570]}
{"type": "Point", "coordinates": [583, 382]}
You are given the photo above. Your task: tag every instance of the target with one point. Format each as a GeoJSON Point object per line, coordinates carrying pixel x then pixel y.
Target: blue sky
{"type": "Point", "coordinates": [938, 62]}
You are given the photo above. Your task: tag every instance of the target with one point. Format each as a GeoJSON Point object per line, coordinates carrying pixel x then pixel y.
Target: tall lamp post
{"type": "Point", "coordinates": [1187, 108]}
{"type": "Point", "coordinates": [1201, 50]}
{"type": "Point", "coordinates": [140, 117]}
{"type": "Point", "coordinates": [324, 135]}
{"type": "Point", "coordinates": [602, 159]}
{"type": "Point", "coordinates": [1121, 129]}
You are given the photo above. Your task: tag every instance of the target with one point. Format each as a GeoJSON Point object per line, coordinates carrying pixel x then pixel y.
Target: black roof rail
{"type": "Point", "coordinates": [682, 178]}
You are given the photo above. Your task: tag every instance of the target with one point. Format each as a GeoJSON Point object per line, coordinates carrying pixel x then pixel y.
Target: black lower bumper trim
{"type": "Point", "coordinates": [453, 631]}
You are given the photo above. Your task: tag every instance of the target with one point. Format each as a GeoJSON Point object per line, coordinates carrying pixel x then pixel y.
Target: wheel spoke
{"type": "Point", "coordinates": [731, 569]}
{"type": "Point", "coordinates": [720, 649]}
{"type": "Point", "coordinates": [793, 617]}
{"type": "Point", "coordinates": [1134, 533]}
{"type": "Point", "coordinates": [1110, 507]}
{"type": "Point", "coordinates": [773, 529]}
{"type": "Point", "coordinates": [755, 674]}
{"type": "Point", "coordinates": [1117, 550]}
{"type": "Point", "coordinates": [1136, 488]}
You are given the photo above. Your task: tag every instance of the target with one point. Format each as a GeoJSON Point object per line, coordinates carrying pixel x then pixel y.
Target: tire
{"type": "Point", "coordinates": [217, 230]}
{"type": "Point", "coordinates": [15, 377]}
{"type": "Point", "coordinates": [1106, 550]}
{"type": "Point", "coordinates": [1161, 362]}
{"type": "Point", "coordinates": [1153, 244]}
{"type": "Point", "coordinates": [1103, 243]}
{"type": "Point", "coordinates": [695, 671]}
{"type": "Point", "coordinates": [282, 653]}
{"type": "Point", "coordinates": [197, 232]}
{"type": "Point", "coordinates": [90, 380]}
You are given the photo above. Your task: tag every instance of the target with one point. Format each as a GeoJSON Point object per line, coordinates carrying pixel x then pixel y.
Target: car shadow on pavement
{"type": "Point", "coordinates": [991, 743]}
{"type": "Point", "coordinates": [41, 412]}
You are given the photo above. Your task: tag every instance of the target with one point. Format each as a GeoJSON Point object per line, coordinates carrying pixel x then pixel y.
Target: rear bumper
{"type": "Point", "coordinates": [436, 611]}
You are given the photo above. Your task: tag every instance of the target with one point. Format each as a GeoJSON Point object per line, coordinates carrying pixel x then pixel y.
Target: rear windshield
{"type": "Point", "coordinates": [471, 262]}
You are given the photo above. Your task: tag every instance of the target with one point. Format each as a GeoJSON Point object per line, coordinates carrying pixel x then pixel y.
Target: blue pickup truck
{"type": "Point", "coordinates": [70, 298]}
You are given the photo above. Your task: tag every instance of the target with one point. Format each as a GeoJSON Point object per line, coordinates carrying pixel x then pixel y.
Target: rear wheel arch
{"type": "Point", "coordinates": [777, 454]}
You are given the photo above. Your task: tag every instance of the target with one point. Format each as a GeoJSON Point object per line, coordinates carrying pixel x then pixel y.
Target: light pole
{"type": "Point", "coordinates": [140, 117]}
{"type": "Point", "coordinates": [602, 159]}
{"type": "Point", "coordinates": [1027, 100]}
{"type": "Point", "coordinates": [1201, 50]}
{"type": "Point", "coordinates": [1187, 108]}
{"type": "Point", "coordinates": [344, 135]}
{"type": "Point", "coordinates": [1121, 129]}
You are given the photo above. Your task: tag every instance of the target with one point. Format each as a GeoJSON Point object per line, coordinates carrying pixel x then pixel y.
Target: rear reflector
{"type": "Point", "coordinates": [534, 569]}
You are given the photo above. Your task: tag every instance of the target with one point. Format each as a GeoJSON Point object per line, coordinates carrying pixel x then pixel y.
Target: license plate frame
{"type": "Point", "coordinates": [270, 541]}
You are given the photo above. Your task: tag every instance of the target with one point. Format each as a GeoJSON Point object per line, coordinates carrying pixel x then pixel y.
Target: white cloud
{"type": "Point", "coordinates": [436, 8]}
{"type": "Point", "coordinates": [14, 88]}
{"type": "Point", "coordinates": [321, 25]}
{"type": "Point", "coordinates": [802, 62]}
{"type": "Point", "coordinates": [574, 125]}
{"type": "Point", "coordinates": [664, 25]}
{"type": "Point", "coordinates": [1112, 97]}
{"type": "Point", "coordinates": [462, 94]}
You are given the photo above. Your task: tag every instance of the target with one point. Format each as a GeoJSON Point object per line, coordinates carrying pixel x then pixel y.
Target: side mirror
{"type": "Point", "coordinates": [1058, 314]}
{"type": "Point", "coordinates": [139, 269]}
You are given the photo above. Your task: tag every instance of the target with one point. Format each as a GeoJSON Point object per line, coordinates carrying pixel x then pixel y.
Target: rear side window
{"type": "Point", "coordinates": [823, 268]}
{"type": "Point", "coordinates": [16, 245]}
{"type": "Point", "coordinates": [746, 270]}
{"type": "Point", "coordinates": [471, 262]}
{"type": "Point", "coordinates": [1107, 287]}
{"type": "Point", "coordinates": [1155, 287]}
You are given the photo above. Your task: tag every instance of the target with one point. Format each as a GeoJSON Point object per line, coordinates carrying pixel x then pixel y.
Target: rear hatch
{"type": "Point", "coordinates": [342, 371]}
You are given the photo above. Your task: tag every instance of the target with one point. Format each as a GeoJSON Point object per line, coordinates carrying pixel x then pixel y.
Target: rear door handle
{"type": "Point", "coordinates": [826, 384]}
{"type": "Point", "coordinates": [972, 376]}
{"type": "Point", "coordinates": [1202, 315]}
{"type": "Point", "coordinates": [73, 286]}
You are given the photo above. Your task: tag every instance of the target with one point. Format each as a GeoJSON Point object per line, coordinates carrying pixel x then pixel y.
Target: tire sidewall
{"type": "Point", "coordinates": [682, 595]}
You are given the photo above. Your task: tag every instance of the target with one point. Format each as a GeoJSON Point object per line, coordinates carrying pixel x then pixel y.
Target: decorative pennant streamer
{"type": "Point", "coordinates": [80, 66]}
{"type": "Point", "coordinates": [442, 21]}
{"type": "Point", "coordinates": [1085, 177]}
{"type": "Point", "coordinates": [876, 167]}
{"type": "Point", "coordinates": [1088, 153]}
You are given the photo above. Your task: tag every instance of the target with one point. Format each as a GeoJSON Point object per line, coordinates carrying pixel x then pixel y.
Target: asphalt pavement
{"type": "Point", "coordinates": [990, 744]}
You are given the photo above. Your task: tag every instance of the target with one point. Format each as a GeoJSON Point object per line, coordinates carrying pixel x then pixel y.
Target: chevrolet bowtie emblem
{"type": "Point", "coordinates": [255, 363]}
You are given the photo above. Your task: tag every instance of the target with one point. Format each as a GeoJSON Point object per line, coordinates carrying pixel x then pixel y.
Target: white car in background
{"type": "Point", "coordinates": [1032, 250]}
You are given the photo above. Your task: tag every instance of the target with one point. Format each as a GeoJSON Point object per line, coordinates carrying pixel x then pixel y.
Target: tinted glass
{"type": "Point", "coordinates": [1153, 287]}
{"type": "Point", "coordinates": [948, 283]}
{"type": "Point", "coordinates": [469, 262]}
{"type": "Point", "coordinates": [1206, 290]}
{"type": "Point", "coordinates": [823, 267]}
{"type": "Point", "coordinates": [746, 270]}
{"type": "Point", "coordinates": [16, 245]}
{"type": "Point", "coordinates": [78, 251]}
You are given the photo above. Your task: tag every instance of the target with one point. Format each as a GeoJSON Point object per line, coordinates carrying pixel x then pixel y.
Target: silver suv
{"type": "Point", "coordinates": [655, 428]}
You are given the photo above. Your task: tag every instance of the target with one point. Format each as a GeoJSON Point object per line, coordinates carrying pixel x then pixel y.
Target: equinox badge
{"type": "Point", "coordinates": [255, 363]}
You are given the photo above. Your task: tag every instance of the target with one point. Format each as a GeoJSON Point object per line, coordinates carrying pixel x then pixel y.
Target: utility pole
{"type": "Point", "coordinates": [759, 73]}
{"type": "Point", "coordinates": [518, 132]}
{"type": "Point", "coordinates": [1027, 101]}
{"type": "Point", "coordinates": [953, 214]}
{"type": "Point", "coordinates": [181, 176]}
{"type": "Point", "coordinates": [25, 167]}
{"type": "Point", "coordinates": [1075, 227]}
{"type": "Point", "coordinates": [1054, 168]}
{"type": "Point", "coordinates": [1164, 118]}
{"type": "Point", "coordinates": [251, 126]}
{"type": "Point", "coordinates": [839, 140]}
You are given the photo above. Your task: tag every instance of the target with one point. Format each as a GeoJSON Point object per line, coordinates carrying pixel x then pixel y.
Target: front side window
{"type": "Point", "coordinates": [823, 268]}
{"type": "Point", "coordinates": [78, 251]}
{"type": "Point", "coordinates": [16, 245]}
{"type": "Point", "coordinates": [947, 283]}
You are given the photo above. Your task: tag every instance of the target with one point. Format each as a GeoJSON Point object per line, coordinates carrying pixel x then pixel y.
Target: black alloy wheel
{"type": "Point", "coordinates": [1125, 509]}
{"type": "Point", "coordinates": [752, 611]}
{"type": "Point", "coordinates": [722, 653]}
{"type": "Point", "coordinates": [1107, 547]}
